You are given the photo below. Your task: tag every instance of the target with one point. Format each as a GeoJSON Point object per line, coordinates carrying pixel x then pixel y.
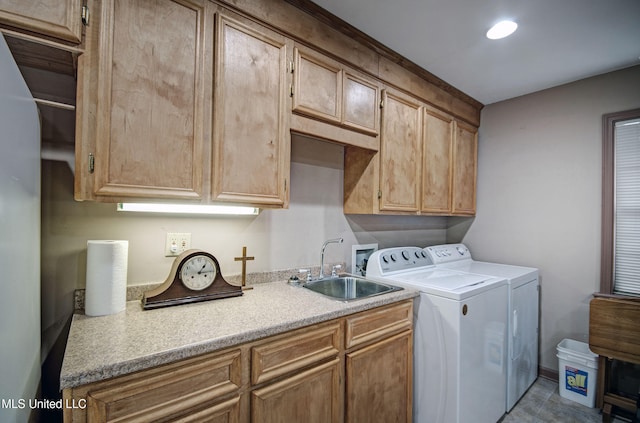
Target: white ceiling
{"type": "Point", "coordinates": [557, 41]}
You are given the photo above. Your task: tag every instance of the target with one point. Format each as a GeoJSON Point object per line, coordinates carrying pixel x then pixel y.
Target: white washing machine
{"type": "Point", "coordinates": [523, 311]}
{"type": "Point", "coordinates": [459, 337]}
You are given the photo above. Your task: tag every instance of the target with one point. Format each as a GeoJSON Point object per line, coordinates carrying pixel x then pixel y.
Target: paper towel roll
{"type": "Point", "coordinates": [106, 290]}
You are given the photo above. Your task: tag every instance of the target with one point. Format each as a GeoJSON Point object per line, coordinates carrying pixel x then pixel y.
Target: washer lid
{"type": "Point", "coordinates": [447, 283]}
{"type": "Point", "coordinates": [413, 268]}
{"type": "Point", "coordinates": [445, 280]}
{"type": "Point", "coordinates": [515, 275]}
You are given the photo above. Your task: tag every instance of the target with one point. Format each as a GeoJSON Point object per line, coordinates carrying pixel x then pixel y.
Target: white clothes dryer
{"type": "Point", "coordinates": [459, 337]}
{"type": "Point", "coordinates": [523, 311]}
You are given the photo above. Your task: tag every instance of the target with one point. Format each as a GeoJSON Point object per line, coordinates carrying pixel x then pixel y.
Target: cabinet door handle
{"type": "Point", "coordinates": [85, 15]}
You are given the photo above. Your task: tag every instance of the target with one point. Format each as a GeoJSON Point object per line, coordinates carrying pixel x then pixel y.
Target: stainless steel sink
{"type": "Point", "coordinates": [349, 288]}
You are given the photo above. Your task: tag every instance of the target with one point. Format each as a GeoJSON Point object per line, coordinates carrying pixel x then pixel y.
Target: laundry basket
{"type": "Point", "coordinates": [577, 368]}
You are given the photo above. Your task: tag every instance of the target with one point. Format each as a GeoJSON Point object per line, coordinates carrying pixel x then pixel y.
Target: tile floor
{"type": "Point", "coordinates": [543, 404]}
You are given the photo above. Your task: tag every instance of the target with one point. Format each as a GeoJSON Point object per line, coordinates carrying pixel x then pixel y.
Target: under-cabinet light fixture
{"type": "Point", "coordinates": [188, 209]}
{"type": "Point", "coordinates": [502, 29]}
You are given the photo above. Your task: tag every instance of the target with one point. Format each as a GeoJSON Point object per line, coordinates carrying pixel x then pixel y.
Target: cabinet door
{"type": "Point", "coordinates": [251, 130]}
{"type": "Point", "coordinates": [436, 162]}
{"type": "Point", "coordinates": [54, 18]}
{"type": "Point", "coordinates": [317, 86]}
{"type": "Point", "coordinates": [313, 396]}
{"type": "Point", "coordinates": [150, 99]}
{"type": "Point", "coordinates": [465, 159]}
{"type": "Point", "coordinates": [361, 107]}
{"type": "Point", "coordinates": [330, 92]}
{"type": "Point", "coordinates": [379, 382]}
{"type": "Point", "coordinates": [400, 152]}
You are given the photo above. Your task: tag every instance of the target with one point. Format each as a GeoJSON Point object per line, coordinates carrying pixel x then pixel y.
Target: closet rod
{"type": "Point", "coordinates": [55, 104]}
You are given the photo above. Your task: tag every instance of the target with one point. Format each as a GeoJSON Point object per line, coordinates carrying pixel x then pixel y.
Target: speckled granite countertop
{"type": "Point", "coordinates": [99, 348]}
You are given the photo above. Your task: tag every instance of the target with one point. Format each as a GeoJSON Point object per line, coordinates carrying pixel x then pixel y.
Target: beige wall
{"type": "Point", "coordinates": [539, 194]}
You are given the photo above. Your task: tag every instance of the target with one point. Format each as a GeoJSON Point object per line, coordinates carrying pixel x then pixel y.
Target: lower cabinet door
{"type": "Point", "coordinates": [313, 396]}
{"type": "Point", "coordinates": [379, 381]}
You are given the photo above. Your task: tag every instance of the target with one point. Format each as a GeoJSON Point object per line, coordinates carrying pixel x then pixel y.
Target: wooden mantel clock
{"type": "Point", "coordinates": [195, 276]}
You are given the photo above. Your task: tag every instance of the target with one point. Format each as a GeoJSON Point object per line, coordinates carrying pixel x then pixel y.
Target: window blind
{"type": "Point", "coordinates": [627, 207]}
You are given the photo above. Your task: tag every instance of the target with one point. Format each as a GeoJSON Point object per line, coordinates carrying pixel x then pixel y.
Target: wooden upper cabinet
{"type": "Point", "coordinates": [326, 91]}
{"type": "Point", "coordinates": [427, 164]}
{"type": "Point", "coordinates": [361, 99]}
{"type": "Point", "coordinates": [251, 128]}
{"type": "Point", "coordinates": [317, 86]}
{"type": "Point", "coordinates": [60, 19]}
{"type": "Point", "coordinates": [400, 152]}
{"type": "Point", "coordinates": [436, 162]}
{"type": "Point", "coordinates": [150, 61]}
{"type": "Point", "coordinates": [465, 163]}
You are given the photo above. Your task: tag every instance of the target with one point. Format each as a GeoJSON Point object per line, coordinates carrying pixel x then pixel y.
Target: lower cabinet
{"type": "Point", "coordinates": [379, 365]}
{"type": "Point", "coordinates": [379, 382]}
{"type": "Point", "coordinates": [352, 369]}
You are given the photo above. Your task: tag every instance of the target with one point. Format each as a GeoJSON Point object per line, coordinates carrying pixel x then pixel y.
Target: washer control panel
{"type": "Point", "coordinates": [448, 252]}
{"type": "Point", "coordinates": [391, 260]}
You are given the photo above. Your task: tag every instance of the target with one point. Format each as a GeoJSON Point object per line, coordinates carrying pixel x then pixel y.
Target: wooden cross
{"type": "Point", "coordinates": [244, 260]}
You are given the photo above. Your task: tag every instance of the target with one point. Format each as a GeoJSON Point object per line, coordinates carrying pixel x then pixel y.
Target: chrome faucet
{"type": "Point", "coordinates": [337, 241]}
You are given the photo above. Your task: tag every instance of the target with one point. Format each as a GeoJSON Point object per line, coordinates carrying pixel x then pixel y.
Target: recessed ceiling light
{"type": "Point", "coordinates": [502, 29]}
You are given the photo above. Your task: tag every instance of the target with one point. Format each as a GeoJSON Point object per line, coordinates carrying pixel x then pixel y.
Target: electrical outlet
{"type": "Point", "coordinates": [177, 243]}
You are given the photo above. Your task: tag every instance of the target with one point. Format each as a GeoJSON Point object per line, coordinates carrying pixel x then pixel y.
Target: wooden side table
{"type": "Point", "coordinates": [614, 334]}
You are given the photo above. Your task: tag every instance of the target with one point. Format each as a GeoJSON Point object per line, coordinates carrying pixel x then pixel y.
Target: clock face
{"type": "Point", "coordinates": [198, 272]}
